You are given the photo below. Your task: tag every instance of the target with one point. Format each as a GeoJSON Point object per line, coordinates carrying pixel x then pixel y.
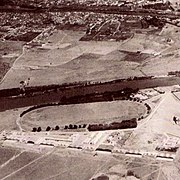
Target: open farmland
{"type": "Point", "coordinates": [8, 119]}
{"type": "Point", "coordinates": [7, 154]}
{"type": "Point", "coordinates": [60, 164]}
{"type": "Point", "coordinates": [61, 167]}
{"type": "Point", "coordinates": [74, 165]}
{"type": "Point", "coordinates": [83, 113]}
{"type": "Point", "coordinates": [9, 51]}
{"type": "Point", "coordinates": [79, 61]}
{"type": "Point", "coordinates": [18, 162]}
{"type": "Point", "coordinates": [63, 59]}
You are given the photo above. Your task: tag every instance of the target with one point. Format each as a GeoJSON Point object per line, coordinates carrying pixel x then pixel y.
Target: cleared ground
{"type": "Point", "coordinates": [83, 113]}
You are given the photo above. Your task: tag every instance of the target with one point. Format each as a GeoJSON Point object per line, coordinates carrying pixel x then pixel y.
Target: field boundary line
{"type": "Point", "coordinates": [11, 159]}
{"type": "Point", "coordinates": [9, 175]}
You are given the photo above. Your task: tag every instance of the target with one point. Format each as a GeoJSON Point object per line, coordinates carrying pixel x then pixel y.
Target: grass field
{"type": "Point", "coordinates": [82, 113]}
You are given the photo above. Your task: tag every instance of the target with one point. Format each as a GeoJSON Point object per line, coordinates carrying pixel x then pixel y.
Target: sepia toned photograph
{"type": "Point", "coordinates": [89, 89]}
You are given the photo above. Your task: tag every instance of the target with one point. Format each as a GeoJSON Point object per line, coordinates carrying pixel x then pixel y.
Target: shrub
{"type": "Point", "coordinates": [39, 129]}
{"type": "Point", "coordinates": [57, 128]}
{"type": "Point", "coordinates": [34, 129]}
{"type": "Point", "coordinates": [70, 126]}
{"type": "Point", "coordinates": [48, 128]}
{"type": "Point", "coordinates": [84, 125]}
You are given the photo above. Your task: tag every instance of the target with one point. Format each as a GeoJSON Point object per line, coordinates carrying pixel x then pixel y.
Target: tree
{"type": "Point", "coordinates": [55, 90]}
{"type": "Point", "coordinates": [57, 128]}
{"type": "Point", "coordinates": [39, 129]}
{"type": "Point", "coordinates": [84, 125]}
{"type": "Point", "coordinates": [34, 129]}
{"type": "Point", "coordinates": [75, 126]}
{"type": "Point", "coordinates": [48, 128]}
{"type": "Point", "coordinates": [79, 126]}
{"type": "Point", "coordinates": [175, 119]}
{"type": "Point", "coordinates": [70, 126]}
{"type": "Point", "coordinates": [64, 99]}
{"type": "Point", "coordinates": [65, 127]}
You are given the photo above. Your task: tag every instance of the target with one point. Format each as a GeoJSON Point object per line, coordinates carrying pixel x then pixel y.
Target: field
{"type": "Point", "coordinates": [75, 165]}
{"type": "Point", "coordinates": [59, 165]}
{"type": "Point", "coordinates": [82, 113]}
{"type": "Point", "coordinates": [9, 51]}
{"type": "Point", "coordinates": [63, 58]}
{"type": "Point", "coordinates": [8, 119]}
{"type": "Point", "coordinates": [6, 154]}
{"type": "Point", "coordinates": [18, 162]}
{"type": "Point", "coordinates": [56, 167]}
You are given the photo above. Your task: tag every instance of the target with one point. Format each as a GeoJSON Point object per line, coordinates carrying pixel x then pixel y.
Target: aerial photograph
{"type": "Point", "coordinates": [89, 89]}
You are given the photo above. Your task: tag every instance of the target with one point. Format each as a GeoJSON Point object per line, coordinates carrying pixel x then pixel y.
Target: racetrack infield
{"type": "Point", "coordinates": [100, 112]}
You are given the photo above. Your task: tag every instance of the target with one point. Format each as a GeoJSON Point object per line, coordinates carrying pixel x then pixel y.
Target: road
{"type": "Point", "coordinates": [18, 124]}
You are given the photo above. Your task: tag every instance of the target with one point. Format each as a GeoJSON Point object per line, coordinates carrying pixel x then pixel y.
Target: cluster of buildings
{"type": "Point", "coordinates": [78, 140]}
{"type": "Point", "coordinates": [96, 142]}
{"type": "Point", "coordinates": [162, 4]}
{"type": "Point", "coordinates": [169, 143]}
{"type": "Point", "coordinates": [15, 24]}
{"type": "Point", "coordinates": [18, 24]}
{"type": "Point", "coordinates": [90, 141]}
{"type": "Point", "coordinates": [152, 4]}
{"type": "Point", "coordinates": [95, 2]}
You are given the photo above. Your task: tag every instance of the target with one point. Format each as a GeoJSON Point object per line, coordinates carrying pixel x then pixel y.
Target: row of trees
{"type": "Point", "coordinates": [71, 126]}
{"type": "Point", "coordinates": [134, 99]}
{"type": "Point", "coordinates": [36, 129]}
{"type": "Point", "coordinates": [132, 123]}
{"type": "Point", "coordinates": [56, 128]}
